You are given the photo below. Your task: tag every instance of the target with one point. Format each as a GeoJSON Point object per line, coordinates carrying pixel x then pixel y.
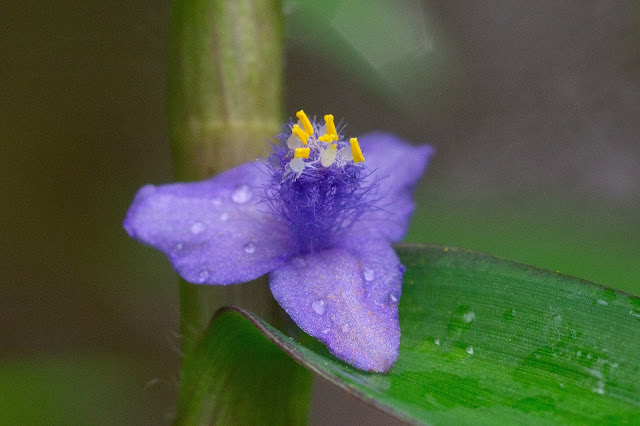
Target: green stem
{"type": "Point", "coordinates": [225, 100]}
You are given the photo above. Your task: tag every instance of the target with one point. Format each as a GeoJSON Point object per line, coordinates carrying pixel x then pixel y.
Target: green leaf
{"type": "Point", "coordinates": [485, 340]}
{"type": "Point", "coordinates": [236, 376]}
{"type": "Point", "coordinates": [348, 36]}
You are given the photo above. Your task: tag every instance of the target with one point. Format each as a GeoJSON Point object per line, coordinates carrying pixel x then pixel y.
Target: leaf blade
{"type": "Point", "coordinates": [487, 340]}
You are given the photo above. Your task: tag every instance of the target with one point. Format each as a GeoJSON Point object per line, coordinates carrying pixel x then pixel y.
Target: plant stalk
{"type": "Point", "coordinates": [225, 100]}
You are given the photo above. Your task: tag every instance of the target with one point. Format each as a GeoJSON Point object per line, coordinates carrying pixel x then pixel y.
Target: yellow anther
{"type": "Point", "coordinates": [331, 127]}
{"type": "Point", "coordinates": [355, 150]}
{"type": "Point", "coordinates": [301, 134]}
{"type": "Point", "coordinates": [302, 153]}
{"type": "Point", "coordinates": [305, 122]}
{"type": "Point", "coordinates": [326, 138]}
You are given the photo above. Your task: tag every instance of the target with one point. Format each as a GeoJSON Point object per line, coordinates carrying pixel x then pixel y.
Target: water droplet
{"type": "Point", "coordinates": [600, 389]}
{"type": "Point", "coordinates": [176, 249]}
{"type": "Point", "coordinates": [197, 228]}
{"type": "Point", "coordinates": [469, 317]}
{"type": "Point", "coordinates": [437, 342]}
{"type": "Point", "coordinates": [369, 274]}
{"type": "Point", "coordinates": [602, 302]}
{"type": "Point", "coordinates": [242, 194]}
{"type": "Point", "coordinates": [470, 350]}
{"type": "Point", "coordinates": [224, 217]}
{"type": "Point", "coordinates": [393, 298]}
{"type": "Point", "coordinates": [509, 314]}
{"type": "Point", "coordinates": [318, 307]}
{"type": "Point", "coordinates": [596, 373]}
{"type": "Point", "coordinates": [202, 276]}
{"type": "Point", "coordinates": [249, 248]}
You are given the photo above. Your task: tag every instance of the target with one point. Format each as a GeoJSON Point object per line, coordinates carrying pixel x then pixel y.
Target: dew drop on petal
{"type": "Point", "coordinates": [224, 217]}
{"type": "Point", "coordinates": [369, 274]}
{"type": "Point", "coordinates": [176, 249]}
{"type": "Point", "coordinates": [242, 194]}
{"type": "Point", "coordinates": [318, 307]}
{"type": "Point", "coordinates": [197, 228]}
{"type": "Point", "coordinates": [202, 276]}
{"type": "Point", "coordinates": [393, 298]}
{"type": "Point", "coordinates": [249, 248]}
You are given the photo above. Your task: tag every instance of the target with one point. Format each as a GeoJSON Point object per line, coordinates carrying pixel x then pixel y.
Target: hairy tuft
{"type": "Point", "coordinates": [320, 202]}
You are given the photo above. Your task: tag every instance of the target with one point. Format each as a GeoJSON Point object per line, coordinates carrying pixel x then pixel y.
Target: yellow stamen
{"type": "Point", "coordinates": [305, 122]}
{"type": "Point", "coordinates": [331, 127]}
{"type": "Point", "coordinates": [302, 153]}
{"type": "Point", "coordinates": [301, 134]}
{"type": "Point", "coordinates": [355, 150]}
{"type": "Point", "coordinates": [326, 138]}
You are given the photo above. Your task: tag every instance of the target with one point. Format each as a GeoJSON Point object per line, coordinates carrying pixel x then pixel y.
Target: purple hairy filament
{"type": "Point", "coordinates": [318, 203]}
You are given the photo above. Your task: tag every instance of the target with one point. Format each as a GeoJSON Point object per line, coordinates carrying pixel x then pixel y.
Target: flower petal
{"type": "Point", "coordinates": [213, 231]}
{"type": "Point", "coordinates": [396, 166]}
{"type": "Point", "coordinates": [348, 299]}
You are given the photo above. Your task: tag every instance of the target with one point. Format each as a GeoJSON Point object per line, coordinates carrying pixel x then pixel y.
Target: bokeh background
{"type": "Point", "coordinates": [533, 106]}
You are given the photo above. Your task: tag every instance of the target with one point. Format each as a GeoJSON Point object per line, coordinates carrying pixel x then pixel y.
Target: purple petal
{"type": "Point", "coordinates": [348, 299]}
{"type": "Point", "coordinates": [213, 231]}
{"type": "Point", "coordinates": [397, 166]}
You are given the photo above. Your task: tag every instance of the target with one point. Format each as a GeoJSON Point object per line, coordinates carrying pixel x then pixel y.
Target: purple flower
{"type": "Point", "coordinates": [316, 216]}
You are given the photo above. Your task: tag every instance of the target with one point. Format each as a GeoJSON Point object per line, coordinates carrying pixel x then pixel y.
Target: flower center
{"type": "Point", "coordinates": [318, 185]}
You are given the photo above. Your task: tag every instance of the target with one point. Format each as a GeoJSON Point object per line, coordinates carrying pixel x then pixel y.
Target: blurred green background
{"type": "Point", "coordinates": [533, 107]}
